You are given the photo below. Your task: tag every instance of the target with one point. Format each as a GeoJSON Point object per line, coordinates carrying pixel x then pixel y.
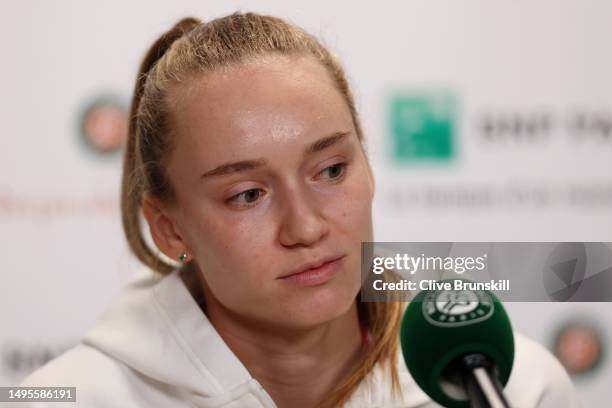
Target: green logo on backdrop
{"type": "Point", "coordinates": [423, 126]}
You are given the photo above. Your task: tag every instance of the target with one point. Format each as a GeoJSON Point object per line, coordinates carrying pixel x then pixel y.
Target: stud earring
{"type": "Point", "coordinates": [183, 257]}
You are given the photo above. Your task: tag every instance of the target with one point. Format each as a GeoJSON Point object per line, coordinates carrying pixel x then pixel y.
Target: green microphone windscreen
{"type": "Point", "coordinates": [441, 326]}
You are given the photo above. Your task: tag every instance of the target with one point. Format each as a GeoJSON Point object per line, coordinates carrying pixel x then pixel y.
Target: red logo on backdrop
{"type": "Point", "coordinates": [104, 125]}
{"type": "Point", "coordinates": [579, 346]}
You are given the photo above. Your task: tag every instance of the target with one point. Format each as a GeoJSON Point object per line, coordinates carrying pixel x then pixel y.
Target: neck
{"type": "Point", "coordinates": [298, 368]}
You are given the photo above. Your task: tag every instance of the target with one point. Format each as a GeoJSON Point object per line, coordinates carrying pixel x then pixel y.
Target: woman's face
{"type": "Point", "coordinates": [270, 175]}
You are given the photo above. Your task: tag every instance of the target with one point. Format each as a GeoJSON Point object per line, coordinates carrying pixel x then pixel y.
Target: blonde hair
{"type": "Point", "coordinates": [192, 48]}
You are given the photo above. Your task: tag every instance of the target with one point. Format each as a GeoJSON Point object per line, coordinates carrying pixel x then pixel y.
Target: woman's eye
{"type": "Point", "coordinates": [336, 171]}
{"type": "Point", "coordinates": [249, 196]}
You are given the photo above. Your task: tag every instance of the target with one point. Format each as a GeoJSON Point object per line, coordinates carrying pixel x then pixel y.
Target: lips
{"type": "Point", "coordinates": [312, 265]}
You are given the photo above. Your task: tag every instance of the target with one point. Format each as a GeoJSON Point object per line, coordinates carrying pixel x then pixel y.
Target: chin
{"type": "Point", "coordinates": [318, 307]}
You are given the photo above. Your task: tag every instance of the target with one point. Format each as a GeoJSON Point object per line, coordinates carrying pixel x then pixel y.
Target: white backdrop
{"type": "Point", "coordinates": [523, 89]}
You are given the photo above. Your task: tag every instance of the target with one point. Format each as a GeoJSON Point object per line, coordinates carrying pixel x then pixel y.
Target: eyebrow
{"type": "Point", "coordinates": [252, 164]}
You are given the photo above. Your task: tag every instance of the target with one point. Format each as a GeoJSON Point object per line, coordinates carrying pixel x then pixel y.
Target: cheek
{"type": "Point", "coordinates": [353, 207]}
{"type": "Point", "coordinates": [230, 249]}
{"type": "Point", "coordinates": [215, 230]}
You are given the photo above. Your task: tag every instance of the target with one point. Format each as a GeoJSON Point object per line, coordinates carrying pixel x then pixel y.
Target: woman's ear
{"type": "Point", "coordinates": [370, 173]}
{"type": "Point", "coordinates": [371, 179]}
{"type": "Point", "coordinates": [163, 227]}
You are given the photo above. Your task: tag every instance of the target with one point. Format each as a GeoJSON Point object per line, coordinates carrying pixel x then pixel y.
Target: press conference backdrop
{"type": "Point", "coordinates": [485, 121]}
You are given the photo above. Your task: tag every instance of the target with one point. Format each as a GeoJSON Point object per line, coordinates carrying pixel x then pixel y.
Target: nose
{"type": "Point", "coordinates": [303, 222]}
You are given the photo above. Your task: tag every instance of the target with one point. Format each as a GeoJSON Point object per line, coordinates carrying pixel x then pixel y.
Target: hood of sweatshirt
{"type": "Point", "coordinates": [157, 329]}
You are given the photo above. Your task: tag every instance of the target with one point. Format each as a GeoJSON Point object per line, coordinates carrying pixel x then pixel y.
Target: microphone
{"type": "Point", "coordinates": [458, 346]}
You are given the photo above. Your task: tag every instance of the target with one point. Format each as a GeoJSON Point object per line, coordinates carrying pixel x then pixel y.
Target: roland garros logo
{"type": "Point", "coordinates": [103, 125]}
{"type": "Point", "coordinates": [457, 307]}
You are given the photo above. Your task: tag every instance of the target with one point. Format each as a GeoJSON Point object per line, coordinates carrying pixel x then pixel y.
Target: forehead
{"type": "Point", "coordinates": [262, 104]}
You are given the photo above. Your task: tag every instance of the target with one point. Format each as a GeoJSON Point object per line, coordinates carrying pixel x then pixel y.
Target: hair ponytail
{"type": "Point", "coordinates": [132, 186]}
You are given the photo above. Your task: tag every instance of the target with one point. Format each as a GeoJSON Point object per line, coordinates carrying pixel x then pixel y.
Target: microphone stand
{"type": "Point", "coordinates": [483, 388]}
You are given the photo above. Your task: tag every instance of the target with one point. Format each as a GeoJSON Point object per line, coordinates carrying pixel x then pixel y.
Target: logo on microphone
{"type": "Point", "coordinates": [457, 307]}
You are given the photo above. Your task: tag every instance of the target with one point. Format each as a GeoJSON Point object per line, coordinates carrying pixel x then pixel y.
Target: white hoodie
{"type": "Point", "coordinates": [155, 348]}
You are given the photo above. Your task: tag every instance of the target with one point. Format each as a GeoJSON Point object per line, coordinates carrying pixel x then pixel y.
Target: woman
{"type": "Point", "coordinates": [247, 160]}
